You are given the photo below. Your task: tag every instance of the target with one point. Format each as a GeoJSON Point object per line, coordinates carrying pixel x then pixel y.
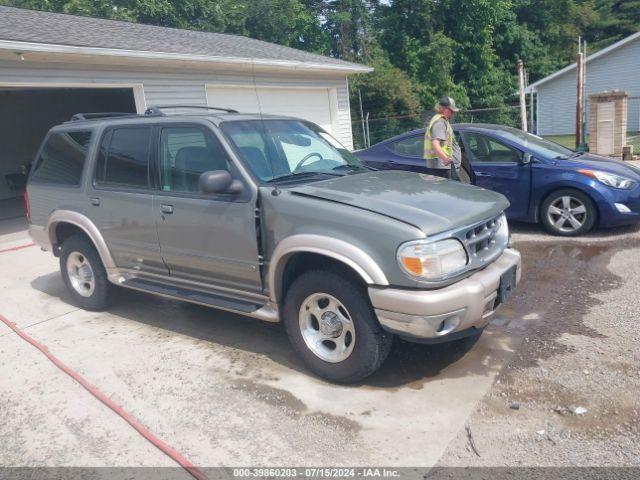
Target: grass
{"type": "Point", "coordinates": [633, 138]}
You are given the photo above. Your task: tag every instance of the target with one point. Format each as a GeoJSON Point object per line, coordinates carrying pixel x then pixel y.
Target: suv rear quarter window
{"type": "Point", "coordinates": [123, 158]}
{"type": "Point", "coordinates": [62, 158]}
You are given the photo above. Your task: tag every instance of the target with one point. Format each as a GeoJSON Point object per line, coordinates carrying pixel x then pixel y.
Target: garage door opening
{"type": "Point", "coordinates": [26, 114]}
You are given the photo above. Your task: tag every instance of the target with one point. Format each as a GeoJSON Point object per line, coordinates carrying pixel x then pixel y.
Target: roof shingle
{"type": "Point", "coordinates": [17, 24]}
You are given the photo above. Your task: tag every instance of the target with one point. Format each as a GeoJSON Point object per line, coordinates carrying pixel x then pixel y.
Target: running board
{"type": "Point", "coordinates": [263, 312]}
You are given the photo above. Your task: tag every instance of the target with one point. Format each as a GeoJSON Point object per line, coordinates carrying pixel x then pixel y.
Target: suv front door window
{"type": "Point", "coordinates": [185, 154]}
{"type": "Point", "coordinates": [205, 237]}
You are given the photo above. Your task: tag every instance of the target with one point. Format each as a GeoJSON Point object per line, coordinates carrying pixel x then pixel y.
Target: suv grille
{"type": "Point", "coordinates": [482, 241]}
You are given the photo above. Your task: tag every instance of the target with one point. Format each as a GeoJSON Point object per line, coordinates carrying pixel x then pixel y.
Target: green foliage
{"type": "Point", "coordinates": [390, 97]}
{"type": "Point", "coordinates": [421, 49]}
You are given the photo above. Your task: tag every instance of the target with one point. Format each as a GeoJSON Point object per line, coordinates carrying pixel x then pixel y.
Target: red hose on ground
{"type": "Point", "coordinates": [177, 457]}
{"type": "Point", "coordinates": [19, 247]}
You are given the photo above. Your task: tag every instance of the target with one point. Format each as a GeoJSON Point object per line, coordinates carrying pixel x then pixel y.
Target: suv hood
{"type": "Point", "coordinates": [429, 203]}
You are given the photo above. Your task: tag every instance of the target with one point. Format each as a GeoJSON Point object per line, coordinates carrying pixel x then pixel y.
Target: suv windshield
{"type": "Point", "coordinates": [538, 145]}
{"type": "Point", "coordinates": [285, 149]}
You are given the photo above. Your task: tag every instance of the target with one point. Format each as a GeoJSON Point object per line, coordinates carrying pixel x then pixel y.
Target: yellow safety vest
{"type": "Point", "coordinates": [429, 152]}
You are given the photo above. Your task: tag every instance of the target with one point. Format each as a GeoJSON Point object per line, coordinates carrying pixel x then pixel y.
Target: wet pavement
{"type": "Point", "coordinates": [228, 390]}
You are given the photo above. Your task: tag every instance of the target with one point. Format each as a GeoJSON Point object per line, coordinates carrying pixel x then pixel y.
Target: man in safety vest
{"type": "Point", "coordinates": [439, 142]}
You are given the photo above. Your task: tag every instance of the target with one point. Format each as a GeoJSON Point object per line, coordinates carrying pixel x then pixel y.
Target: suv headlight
{"type": "Point", "coordinates": [422, 259]}
{"type": "Point", "coordinates": [609, 179]}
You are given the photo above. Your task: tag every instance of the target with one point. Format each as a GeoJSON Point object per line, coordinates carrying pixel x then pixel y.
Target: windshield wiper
{"type": "Point", "coordinates": [289, 176]}
{"type": "Point", "coordinates": [576, 154]}
{"type": "Point", "coordinates": [349, 166]}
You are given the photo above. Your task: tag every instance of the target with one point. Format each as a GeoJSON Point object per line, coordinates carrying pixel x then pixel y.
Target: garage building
{"type": "Point", "coordinates": [54, 65]}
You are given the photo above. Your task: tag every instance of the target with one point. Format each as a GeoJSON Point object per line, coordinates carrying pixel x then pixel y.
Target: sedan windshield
{"type": "Point", "coordinates": [284, 149]}
{"type": "Point", "coordinates": [538, 145]}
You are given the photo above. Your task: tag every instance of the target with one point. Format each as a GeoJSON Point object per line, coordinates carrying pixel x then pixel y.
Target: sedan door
{"type": "Point", "coordinates": [499, 167]}
{"type": "Point", "coordinates": [210, 238]}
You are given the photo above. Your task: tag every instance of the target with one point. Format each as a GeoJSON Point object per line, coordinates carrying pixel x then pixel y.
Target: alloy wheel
{"type": "Point", "coordinates": [327, 327]}
{"type": "Point", "coordinates": [567, 214]}
{"type": "Point", "coordinates": [81, 274]}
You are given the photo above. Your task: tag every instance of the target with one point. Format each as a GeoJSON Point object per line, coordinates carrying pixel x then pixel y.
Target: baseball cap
{"type": "Point", "coordinates": [449, 103]}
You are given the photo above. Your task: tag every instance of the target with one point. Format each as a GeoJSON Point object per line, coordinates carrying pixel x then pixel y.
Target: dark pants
{"type": "Point", "coordinates": [439, 172]}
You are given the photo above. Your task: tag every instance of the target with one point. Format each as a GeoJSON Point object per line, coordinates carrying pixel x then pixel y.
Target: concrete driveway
{"type": "Point", "coordinates": [225, 390]}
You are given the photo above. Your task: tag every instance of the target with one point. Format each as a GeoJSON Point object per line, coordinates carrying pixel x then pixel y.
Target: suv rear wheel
{"type": "Point", "coordinates": [332, 326]}
{"type": "Point", "coordinates": [84, 274]}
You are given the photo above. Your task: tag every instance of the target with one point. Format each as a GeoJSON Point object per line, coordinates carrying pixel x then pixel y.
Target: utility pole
{"type": "Point", "coordinates": [523, 102]}
{"type": "Point", "coordinates": [367, 124]}
{"type": "Point", "coordinates": [583, 147]}
{"type": "Point", "coordinates": [579, 132]}
{"type": "Point", "coordinates": [364, 131]}
{"type": "Point", "coordinates": [531, 121]}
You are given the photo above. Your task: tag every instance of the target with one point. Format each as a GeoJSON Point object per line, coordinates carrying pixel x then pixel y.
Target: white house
{"type": "Point", "coordinates": [616, 67]}
{"type": "Point", "coordinates": [54, 65]}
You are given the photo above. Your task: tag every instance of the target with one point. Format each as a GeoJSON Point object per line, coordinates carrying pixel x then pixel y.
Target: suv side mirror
{"type": "Point", "coordinates": [526, 158]}
{"type": "Point", "coordinates": [219, 181]}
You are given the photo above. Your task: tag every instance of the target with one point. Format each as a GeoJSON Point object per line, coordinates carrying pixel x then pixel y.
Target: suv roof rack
{"type": "Point", "coordinates": [93, 115]}
{"type": "Point", "coordinates": [157, 109]}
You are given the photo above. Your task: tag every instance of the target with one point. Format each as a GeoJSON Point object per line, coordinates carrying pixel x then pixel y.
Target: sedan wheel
{"type": "Point", "coordinates": [568, 213]}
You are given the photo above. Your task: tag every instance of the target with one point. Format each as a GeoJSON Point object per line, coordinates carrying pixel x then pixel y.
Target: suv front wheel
{"type": "Point", "coordinates": [83, 273]}
{"type": "Point", "coordinates": [332, 326]}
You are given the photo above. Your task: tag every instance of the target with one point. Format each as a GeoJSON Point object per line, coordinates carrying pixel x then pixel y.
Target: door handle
{"type": "Point", "coordinates": [168, 209]}
{"type": "Point", "coordinates": [95, 201]}
{"type": "Point", "coordinates": [481, 174]}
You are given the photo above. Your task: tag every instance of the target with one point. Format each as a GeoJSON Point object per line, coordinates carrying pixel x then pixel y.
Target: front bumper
{"type": "Point", "coordinates": [435, 314]}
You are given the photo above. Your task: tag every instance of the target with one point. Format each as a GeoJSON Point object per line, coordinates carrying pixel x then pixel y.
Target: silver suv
{"type": "Point", "coordinates": [270, 217]}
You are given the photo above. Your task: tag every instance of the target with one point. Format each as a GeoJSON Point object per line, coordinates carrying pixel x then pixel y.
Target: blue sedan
{"type": "Point", "coordinates": [568, 192]}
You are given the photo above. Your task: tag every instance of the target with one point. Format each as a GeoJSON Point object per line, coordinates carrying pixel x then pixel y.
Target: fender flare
{"type": "Point", "coordinates": [340, 250]}
{"type": "Point", "coordinates": [87, 226]}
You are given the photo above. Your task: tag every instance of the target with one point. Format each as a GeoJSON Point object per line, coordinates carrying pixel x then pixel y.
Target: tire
{"type": "Point", "coordinates": [580, 208]}
{"type": "Point", "coordinates": [361, 345]}
{"type": "Point", "coordinates": [77, 252]}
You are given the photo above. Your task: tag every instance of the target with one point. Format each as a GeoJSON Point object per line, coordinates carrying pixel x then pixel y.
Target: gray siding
{"type": "Point", "coordinates": [616, 70]}
{"type": "Point", "coordinates": [173, 87]}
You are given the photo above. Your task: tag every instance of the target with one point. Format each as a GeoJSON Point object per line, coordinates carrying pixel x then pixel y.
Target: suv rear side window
{"type": "Point", "coordinates": [62, 158]}
{"type": "Point", "coordinates": [123, 159]}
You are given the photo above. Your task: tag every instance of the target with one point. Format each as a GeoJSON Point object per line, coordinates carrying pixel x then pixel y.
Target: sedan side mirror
{"type": "Point", "coordinates": [526, 158]}
{"type": "Point", "coordinates": [219, 181]}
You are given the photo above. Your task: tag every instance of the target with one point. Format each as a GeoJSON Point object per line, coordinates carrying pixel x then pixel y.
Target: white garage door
{"type": "Point", "coordinates": [313, 104]}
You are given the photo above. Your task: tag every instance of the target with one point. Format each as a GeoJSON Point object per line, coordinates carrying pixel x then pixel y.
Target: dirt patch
{"type": "Point", "coordinates": [294, 407]}
{"type": "Point", "coordinates": [575, 311]}
{"type": "Point", "coordinates": [275, 397]}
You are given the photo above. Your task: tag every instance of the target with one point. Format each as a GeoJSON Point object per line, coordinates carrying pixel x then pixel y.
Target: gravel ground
{"type": "Point", "coordinates": [578, 308]}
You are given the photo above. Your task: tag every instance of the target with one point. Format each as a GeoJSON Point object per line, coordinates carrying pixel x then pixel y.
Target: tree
{"type": "Point", "coordinates": [387, 93]}
{"type": "Point", "coordinates": [421, 49]}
